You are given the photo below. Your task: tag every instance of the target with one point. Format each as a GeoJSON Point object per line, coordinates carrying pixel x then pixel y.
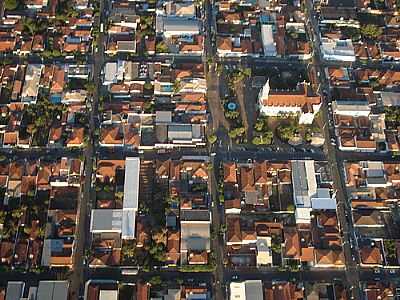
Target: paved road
{"type": "Point", "coordinates": [217, 242]}
{"type": "Point", "coordinates": [115, 274]}
{"type": "Point", "coordinates": [343, 207]}
{"type": "Point", "coordinates": [82, 240]}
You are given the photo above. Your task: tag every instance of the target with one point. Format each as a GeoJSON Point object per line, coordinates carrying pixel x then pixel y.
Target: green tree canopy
{"type": "Point", "coordinates": [371, 31]}
{"type": "Point", "coordinates": [286, 132]}
{"type": "Point", "coordinates": [10, 4]}
{"type": "Point", "coordinates": [212, 139]}
{"type": "Point", "coordinates": [161, 47]}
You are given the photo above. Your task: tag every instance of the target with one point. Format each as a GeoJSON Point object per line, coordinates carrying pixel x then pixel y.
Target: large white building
{"type": "Point", "coordinates": [121, 221]}
{"type": "Point", "coordinates": [301, 101]}
{"type": "Point", "coordinates": [307, 194]}
{"type": "Point", "coordinates": [351, 108]}
{"type": "Point", "coordinates": [267, 38]}
{"type": "Point", "coordinates": [170, 26]}
{"type": "Point", "coordinates": [341, 50]}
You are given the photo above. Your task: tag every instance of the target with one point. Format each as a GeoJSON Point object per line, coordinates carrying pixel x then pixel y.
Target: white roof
{"type": "Point", "coordinates": [303, 181]}
{"type": "Point", "coordinates": [131, 183]}
{"type": "Point", "coordinates": [267, 38]}
{"type": "Point", "coordinates": [323, 203]}
{"type": "Point", "coordinates": [128, 224]}
{"type": "Point", "coordinates": [341, 106]}
{"type": "Point", "coordinates": [15, 290]}
{"type": "Point", "coordinates": [180, 132]}
{"type": "Point", "coordinates": [337, 49]}
{"type": "Point", "coordinates": [53, 290]}
{"type": "Point", "coordinates": [110, 71]}
{"type": "Point", "coordinates": [106, 220]}
{"type": "Point", "coordinates": [163, 117]}
{"type": "Point", "coordinates": [108, 295]}
{"type": "Point", "coordinates": [303, 214]}
{"type": "Point", "coordinates": [390, 98]}
{"type": "Point", "coordinates": [238, 291]}
{"type": "Point", "coordinates": [180, 25]}
{"type": "Point", "coordinates": [131, 197]}
{"type": "Point", "coordinates": [195, 236]}
{"type": "Point", "coordinates": [254, 289]}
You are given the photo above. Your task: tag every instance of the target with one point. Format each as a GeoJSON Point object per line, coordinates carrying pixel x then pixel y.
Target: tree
{"type": "Point", "coordinates": [128, 250]}
{"type": "Point", "coordinates": [90, 87]}
{"type": "Point", "coordinates": [286, 131]}
{"type": "Point", "coordinates": [268, 136]}
{"type": "Point", "coordinates": [257, 140]}
{"type": "Point", "coordinates": [155, 280]}
{"type": "Point", "coordinates": [352, 32]}
{"type": "Point", "coordinates": [308, 136]}
{"type": "Point", "coordinates": [220, 69]}
{"type": "Point", "coordinates": [3, 215]}
{"type": "Point", "coordinates": [232, 134]}
{"type": "Point", "coordinates": [32, 27]}
{"type": "Point", "coordinates": [276, 247]}
{"type": "Point", "coordinates": [232, 114]}
{"type": "Point", "coordinates": [148, 86]}
{"type": "Point", "coordinates": [390, 247]}
{"type": "Point", "coordinates": [148, 106]}
{"type": "Point", "coordinates": [212, 138]}
{"type": "Point", "coordinates": [371, 31]}
{"type": "Point", "coordinates": [265, 139]}
{"type": "Point", "coordinates": [290, 207]}
{"type": "Point", "coordinates": [259, 125]}
{"type": "Point", "coordinates": [10, 4]}
{"type": "Point", "coordinates": [161, 47]}
{"type": "Point", "coordinates": [27, 230]}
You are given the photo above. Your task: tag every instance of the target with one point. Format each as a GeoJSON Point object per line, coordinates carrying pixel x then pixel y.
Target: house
{"type": "Point", "coordinates": [106, 221]}
{"type": "Point", "coordinates": [283, 291]}
{"type": "Point", "coordinates": [338, 76]}
{"type": "Point", "coordinates": [235, 47]}
{"type": "Point", "coordinates": [57, 253]}
{"type": "Point", "coordinates": [36, 4]}
{"type": "Point", "coordinates": [195, 235]}
{"type": "Point", "coordinates": [110, 73]}
{"type": "Point", "coordinates": [173, 248]}
{"type": "Point", "coordinates": [30, 88]}
{"type": "Point", "coordinates": [302, 101]}
{"type": "Point", "coordinates": [379, 290]}
{"type": "Point", "coordinates": [371, 254]}
{"type": "Point", "coordinates": [170, 26]}
{"type": "Point", "coordinates": [325, 258]}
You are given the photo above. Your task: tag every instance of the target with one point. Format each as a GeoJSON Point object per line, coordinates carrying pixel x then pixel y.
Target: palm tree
{"type": "Point", "coordinates": [41, 232]}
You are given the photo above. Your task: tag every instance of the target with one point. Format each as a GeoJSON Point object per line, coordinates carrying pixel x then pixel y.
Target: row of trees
{"type": "Point", "coordinates": [392, 117]}
{"type": "Point", "coordinates": [40, 116]}
{"type": "Point", "coordinates": [369, 32]}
